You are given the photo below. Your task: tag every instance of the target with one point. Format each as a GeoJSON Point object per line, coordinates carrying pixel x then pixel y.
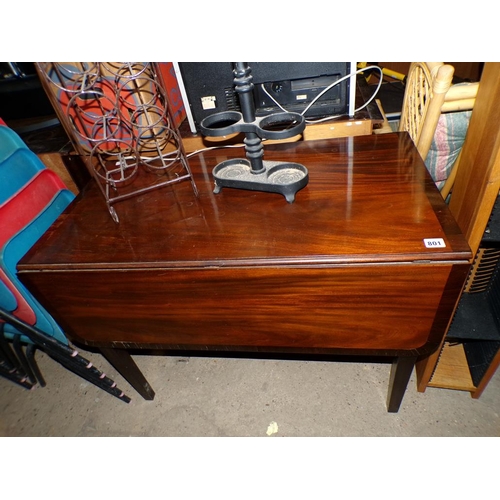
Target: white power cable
{"type": "Point", "coordinates": [362, 70]}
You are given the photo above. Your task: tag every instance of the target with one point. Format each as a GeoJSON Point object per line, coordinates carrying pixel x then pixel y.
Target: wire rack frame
{"type": "Point", "coordinates": [119, 121]}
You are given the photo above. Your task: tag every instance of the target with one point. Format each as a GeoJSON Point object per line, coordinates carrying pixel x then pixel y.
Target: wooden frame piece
{"type": "Point", "coordinates": [476, 189]}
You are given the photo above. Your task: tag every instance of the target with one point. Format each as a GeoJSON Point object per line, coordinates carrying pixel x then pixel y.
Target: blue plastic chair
{"type": "Point", "coordinates": [18, 246]}
{"type": "Point", "coordinates": [11, 142]}
{"type": "Point", "coordinates": [7, 298]}
{"type": "Point", "coordinates": [18, 165]}
{"type": "Point", "coordinates": [31, 198]}
{"type": "Point", "coordinates": [16, 213]}
{"type": "Point", "coordinates": [16, 364]}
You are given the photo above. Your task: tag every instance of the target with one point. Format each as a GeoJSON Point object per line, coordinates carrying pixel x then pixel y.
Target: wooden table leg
{"type": "Point", "coordinates": [123, 362]}
{"type": "Point", "coordinates": [400, 375]}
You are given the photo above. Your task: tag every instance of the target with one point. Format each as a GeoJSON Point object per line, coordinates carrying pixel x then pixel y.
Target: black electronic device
{"type": "Point", "coordinates": [207, 88]}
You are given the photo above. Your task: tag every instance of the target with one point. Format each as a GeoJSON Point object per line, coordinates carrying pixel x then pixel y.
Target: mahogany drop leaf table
{"type": "Point", "coordinates": [367, 261]}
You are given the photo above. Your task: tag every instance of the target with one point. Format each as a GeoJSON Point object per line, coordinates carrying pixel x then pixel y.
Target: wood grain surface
{"type": "Point", "coordinates": [343, 267]}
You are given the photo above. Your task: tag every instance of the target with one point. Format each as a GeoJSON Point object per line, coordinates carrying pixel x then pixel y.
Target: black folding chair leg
{"type": "Point", "coordinates": [30, 356]}
{"type": "Point", "coordinates": [8, 357]}
{"type": "Point", "coordinates": [15, 376]}
{"type": "Point", "coordinates": [65, 355]}
{"type": "Point", "coordinates": [23, 360]}
{"type": "Point", "coordinates": [6, 350]}
{"type": "Point", "coordinates": [94, 376]}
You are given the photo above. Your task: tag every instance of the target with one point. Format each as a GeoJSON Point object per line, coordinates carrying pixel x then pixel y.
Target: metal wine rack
{"type": "Point", "coordinates": [119, 121]}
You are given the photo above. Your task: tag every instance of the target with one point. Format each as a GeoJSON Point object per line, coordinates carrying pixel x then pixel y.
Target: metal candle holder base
{"type": "Point", "coordinates": [278, 177]}
{"type": "Point", "coordinates": [254, 173]}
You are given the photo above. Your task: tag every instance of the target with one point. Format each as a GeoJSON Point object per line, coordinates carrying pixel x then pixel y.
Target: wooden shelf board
{"type": "Point", "coordinates": [347, 127]}
{"type": "Point", "coordinates": [452, 371]}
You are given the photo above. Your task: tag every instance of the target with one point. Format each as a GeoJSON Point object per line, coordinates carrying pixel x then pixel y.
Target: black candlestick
{"type": "Point", "coordinates": [254, 173]}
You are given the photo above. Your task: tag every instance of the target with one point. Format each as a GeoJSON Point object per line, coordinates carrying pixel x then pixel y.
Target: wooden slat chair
{"type": "Point", "coordinates": [430, 100]}
{"type": "Point", "coordinates": [426, 87]}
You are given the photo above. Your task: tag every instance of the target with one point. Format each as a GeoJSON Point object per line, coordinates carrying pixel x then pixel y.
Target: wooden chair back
{"type": "Point", "coordinates": [429, 92]}
{"type": "Point", "coordinates": [426, 88]}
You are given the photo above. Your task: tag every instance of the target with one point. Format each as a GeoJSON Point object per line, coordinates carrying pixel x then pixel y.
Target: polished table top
{"type": "Point", "coordinates": [369, 199]}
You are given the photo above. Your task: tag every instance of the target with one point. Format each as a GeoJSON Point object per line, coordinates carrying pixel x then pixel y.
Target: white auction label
{"type": "Point", "coordinates": [434, 243]}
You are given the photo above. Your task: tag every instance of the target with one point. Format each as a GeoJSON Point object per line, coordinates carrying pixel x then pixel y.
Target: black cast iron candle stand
{"type": "Point", "coordinates": [253, 172]}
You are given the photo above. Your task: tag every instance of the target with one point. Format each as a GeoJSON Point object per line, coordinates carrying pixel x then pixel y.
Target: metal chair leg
{"type": "Point", "coordinates": [66, 355]}
{"type": "Point", "coordinates": [30, 356]}
{"type": "Point", "coordinates": [7, 354]}
{"type": "Point", "coordinates": [16, 376]}
{"type": "Point", "coordinates": [18, 348]}
{"type": "Point", "coordinates": [10, 368]}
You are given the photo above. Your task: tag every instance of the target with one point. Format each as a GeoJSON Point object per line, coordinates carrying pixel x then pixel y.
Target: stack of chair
{"type": "Point", "coordinates": [31, 198]}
